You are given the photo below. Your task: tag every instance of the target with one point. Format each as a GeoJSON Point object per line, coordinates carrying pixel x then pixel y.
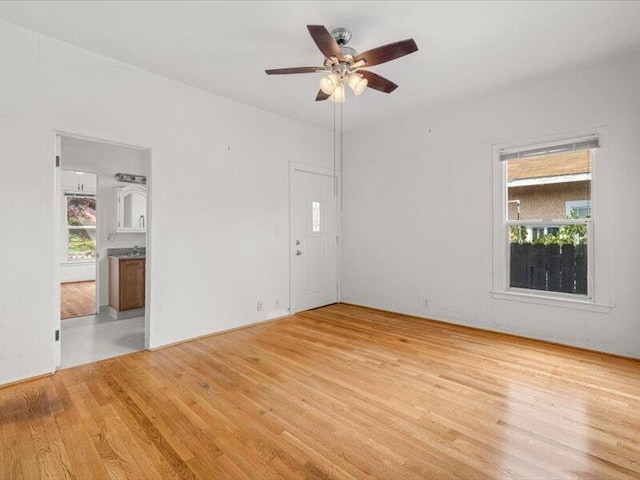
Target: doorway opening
{"type": "Point", "coordinates": [79, 236]}
{"type": "Point", "coordinates": [103, 214]}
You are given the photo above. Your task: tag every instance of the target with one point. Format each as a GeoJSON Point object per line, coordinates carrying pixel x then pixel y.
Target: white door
{"type": "Point", "coordinates": [314, 242]}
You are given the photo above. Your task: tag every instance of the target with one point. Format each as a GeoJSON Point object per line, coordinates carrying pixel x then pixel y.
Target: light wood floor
{"type": "Point", "coordinates": [77, 299]}
{"type": "Point", "coordinates": [338, 392]}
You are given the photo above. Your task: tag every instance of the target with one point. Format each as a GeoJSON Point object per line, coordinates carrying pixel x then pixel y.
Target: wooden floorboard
{"type": "Point", "coordinates": [337, 392]}
{"type": "Point", "coordinates": [78, 299]}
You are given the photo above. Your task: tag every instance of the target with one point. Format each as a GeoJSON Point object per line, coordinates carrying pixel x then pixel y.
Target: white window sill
{"type": "Point", "coordinates": [78, 263]}
{"type": "Point", "coordinates": [552, 300]}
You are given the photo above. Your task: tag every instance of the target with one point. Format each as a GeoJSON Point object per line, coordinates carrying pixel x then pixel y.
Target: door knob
{"type": "Point", "coordinates": [298, 252]}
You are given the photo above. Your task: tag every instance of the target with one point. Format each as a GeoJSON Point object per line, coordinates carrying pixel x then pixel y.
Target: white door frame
{"type": "Point", "coordinates": [57, 258]}
{"type": "Point", "coordinates": [57, 178]}
{"type": "Point", "coordinates": [301, 167]}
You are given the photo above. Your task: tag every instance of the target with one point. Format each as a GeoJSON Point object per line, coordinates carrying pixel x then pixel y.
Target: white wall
{"type": "Point", "coordinates": [219, 191]}
{"type": "Point", "coordinates": [78, 272]}
{"type": "Point", "coordinates": [106, 160]}
{"type": "Point", "coordinates": [417, 219]}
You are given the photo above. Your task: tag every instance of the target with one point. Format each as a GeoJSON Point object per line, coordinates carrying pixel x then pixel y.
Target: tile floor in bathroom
{"type": "Point", "coordinates": [96, 337]}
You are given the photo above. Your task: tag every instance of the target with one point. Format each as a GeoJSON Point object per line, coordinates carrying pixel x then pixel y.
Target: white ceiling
{"type": "Point", "coordinates": [223, 47]}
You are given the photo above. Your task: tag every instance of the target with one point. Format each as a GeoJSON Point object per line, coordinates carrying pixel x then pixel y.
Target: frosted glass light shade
{"type": "Point", "coordinates": [357, 83]}
{"type": "Point", "coordinates": [338, 95]}
{"type": "Point", "coordinates": [328, 83]}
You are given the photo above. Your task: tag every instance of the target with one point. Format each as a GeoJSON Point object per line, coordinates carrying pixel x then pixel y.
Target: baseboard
{"type": "Point", "coordinates": [124, 314]}
{"type": "Point", "coordinates": [496, 332]}
{"type": "Point", "coordinates": [22, 380]}
{"type": "Point", "coordinates": [221, 332]}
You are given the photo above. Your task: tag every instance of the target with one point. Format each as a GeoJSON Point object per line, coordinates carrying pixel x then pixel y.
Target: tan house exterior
{"type": "Point", "coordinates": [549, 186]}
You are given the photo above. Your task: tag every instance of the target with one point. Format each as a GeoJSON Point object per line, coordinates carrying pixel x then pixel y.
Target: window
{"type": "Point", "coordinates": [316, 221]}
{"type": "Point", "coordinates": [578, 209]}
{"type": "Point", "coordinates": [548, 246]}
{"type": "Point", "coordinates": [80, 227]}
{"type": "Point", "coordinates": [536, 233]}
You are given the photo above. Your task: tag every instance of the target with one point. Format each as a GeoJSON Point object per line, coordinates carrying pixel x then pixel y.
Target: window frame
{"type": "Point", "coordinates": [598, 273]}
{"type": "Point", "coordinates": [571, 204]}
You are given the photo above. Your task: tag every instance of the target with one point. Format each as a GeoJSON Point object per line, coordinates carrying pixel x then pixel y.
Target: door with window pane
{"type": "Point", "coordinates": [314, 248]}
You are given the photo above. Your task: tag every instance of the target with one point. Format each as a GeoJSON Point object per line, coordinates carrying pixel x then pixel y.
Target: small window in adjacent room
{"type": "Point", "coordinates": [81, 228]}
{"type": "Point", "coordinates": [548, 230]}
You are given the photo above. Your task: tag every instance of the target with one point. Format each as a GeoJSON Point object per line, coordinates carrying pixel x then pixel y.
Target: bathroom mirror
{"type": "Point", "coordinates": [132, 209]}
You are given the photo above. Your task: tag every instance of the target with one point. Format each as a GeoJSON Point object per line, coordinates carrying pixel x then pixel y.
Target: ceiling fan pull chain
{"type": "Point", "coordinates": [335, 184]}
{"type": "Point", "coordinates": [341, 152]}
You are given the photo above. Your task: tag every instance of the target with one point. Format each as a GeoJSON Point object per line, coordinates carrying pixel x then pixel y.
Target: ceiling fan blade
{"type": "Point", "coordinates": [321, 96]}
{"type": "Point", "coordinates": [285, 71]}
{"type": "Point", "coordinates": [325, 41]}
{"type": "Point", "coordinates": [377, 82]}
{"type": "Point", "coordinates": [389, 52]}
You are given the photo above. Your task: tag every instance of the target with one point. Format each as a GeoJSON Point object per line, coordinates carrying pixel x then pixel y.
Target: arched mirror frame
{"type": "Point", "coordinates": [141, 227]}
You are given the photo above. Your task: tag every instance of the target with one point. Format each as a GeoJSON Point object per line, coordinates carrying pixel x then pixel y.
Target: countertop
{"type": "Point", "coordinates": [128, 257]}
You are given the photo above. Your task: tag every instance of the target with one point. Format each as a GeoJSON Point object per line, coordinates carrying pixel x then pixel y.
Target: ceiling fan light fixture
{"type": "Point", "coordinates": [342, 62]}
{"type": "Point", "coordinates": [338, 95]}
{"type": "Point", "coordinates": [328, 84]}
{"type": "Point", "coordinates": [357, 83]}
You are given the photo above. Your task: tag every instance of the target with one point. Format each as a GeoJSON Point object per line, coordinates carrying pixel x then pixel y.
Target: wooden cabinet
{"type": "Point", "coordinates": [126, 283]}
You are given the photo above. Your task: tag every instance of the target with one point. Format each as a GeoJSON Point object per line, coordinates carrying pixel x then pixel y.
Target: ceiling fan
{"type": "Point", "coordinates": [346, 66]}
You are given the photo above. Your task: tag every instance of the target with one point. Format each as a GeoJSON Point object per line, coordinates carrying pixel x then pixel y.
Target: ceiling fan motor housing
{"type": "Point", "coordinates": [348, 51]}
{"type": "Point", "coordinates": [342, 35]}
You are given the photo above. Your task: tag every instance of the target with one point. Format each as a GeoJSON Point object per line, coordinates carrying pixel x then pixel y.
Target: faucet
{"type": "Point", "coordinates": [135, 250]}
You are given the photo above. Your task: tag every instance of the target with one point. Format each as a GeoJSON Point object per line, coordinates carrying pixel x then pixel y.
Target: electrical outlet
{"type": "Point", "coordinates": [277, 302]}
{"type": "Point", "coordinates": [425, 302]}
{"type": "Point", "coordinates": [259, 305]}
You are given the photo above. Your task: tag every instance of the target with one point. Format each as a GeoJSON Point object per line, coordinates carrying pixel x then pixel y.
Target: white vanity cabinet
{"type": "Point", "coordinates": [132, 209]}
